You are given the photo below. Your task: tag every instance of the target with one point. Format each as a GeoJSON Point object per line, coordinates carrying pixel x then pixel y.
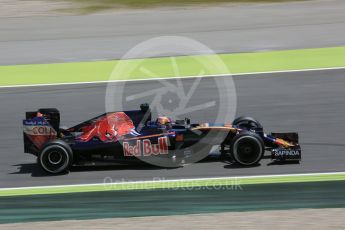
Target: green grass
{"type": "Point", "coordinates": [89, 6]}
{"type": "Point", "coordinates": [162, 67]}
{"type": "Point", "coordinates": [173, 184]}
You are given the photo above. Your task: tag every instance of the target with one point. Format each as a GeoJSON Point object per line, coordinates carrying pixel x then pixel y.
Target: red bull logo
{"type": "Point", "coordinates": [146, 148]}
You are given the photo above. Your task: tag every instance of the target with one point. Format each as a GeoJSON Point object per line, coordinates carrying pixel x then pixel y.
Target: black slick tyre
{"type": "Point", "coordinates": [247, 149]}
{"type": "Point", "coordinates": [247, 123]}
{"type": "Point", "coordinates": [56, 157]}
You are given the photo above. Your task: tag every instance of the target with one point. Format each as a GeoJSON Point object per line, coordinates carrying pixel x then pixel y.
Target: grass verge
{"type": "Point", "coordinates": [90, 6]}
{"type": "Point", "coordinates": [174, 184]}
{"type": "Point", "coordinates": [162, 67]}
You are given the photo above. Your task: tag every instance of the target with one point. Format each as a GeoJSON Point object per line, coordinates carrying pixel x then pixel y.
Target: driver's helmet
{"type": "Point", "coordinates": [162, 120]}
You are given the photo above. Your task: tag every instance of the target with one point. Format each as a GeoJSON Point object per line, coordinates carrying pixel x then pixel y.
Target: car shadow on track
{"type": "Point", "coordinates": [233, 165]}
{"type": "Point", "coordinates": [283, 163]}
{"type": "Point", "coordinates": [30, 168]}
{"type": "Point", "coordinates": [114, 168]}
{"type": "Point", "coordinates": [36, 171]}
{"type": "Point", "coordinates": [238, 166]}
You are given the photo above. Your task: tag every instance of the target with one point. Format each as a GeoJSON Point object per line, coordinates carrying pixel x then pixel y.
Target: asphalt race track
{"type": "Point", "coordinates": [240, 28]}
{"type": "Point", "coordinates": [311, 103]}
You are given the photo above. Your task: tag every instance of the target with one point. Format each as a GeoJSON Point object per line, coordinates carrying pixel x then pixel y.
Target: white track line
{"type": "Point", "coordinates": [167, 78]}
{"type": "Point", "coordinates": [178, 180]}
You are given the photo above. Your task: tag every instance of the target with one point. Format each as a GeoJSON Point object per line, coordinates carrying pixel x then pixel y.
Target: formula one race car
{"type": "Point", "coordinates": [133, 136]}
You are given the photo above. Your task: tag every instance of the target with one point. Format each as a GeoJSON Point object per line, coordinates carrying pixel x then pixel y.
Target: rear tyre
{"type": "Point", "coordinates": [56, 157]}
{"type": "Point", "coordinates": [247, 149]}
{"type": "Point", "coordinates": [247, 123]}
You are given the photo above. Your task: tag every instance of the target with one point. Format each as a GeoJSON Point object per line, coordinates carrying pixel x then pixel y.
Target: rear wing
{"type": "Point", "coordinates": [40, 127]}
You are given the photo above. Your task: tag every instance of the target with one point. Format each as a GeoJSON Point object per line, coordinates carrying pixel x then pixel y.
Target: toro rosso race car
{"type": "Point", "coordinates": [133, 136]}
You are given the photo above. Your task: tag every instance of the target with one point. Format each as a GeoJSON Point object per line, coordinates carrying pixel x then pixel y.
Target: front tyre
{"type": "Point", "coordinates": [247, 149]}
{"type": "Point", "coordinates": [247, 123]}
{"type": "Point", "coordinates": [56, 157]}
